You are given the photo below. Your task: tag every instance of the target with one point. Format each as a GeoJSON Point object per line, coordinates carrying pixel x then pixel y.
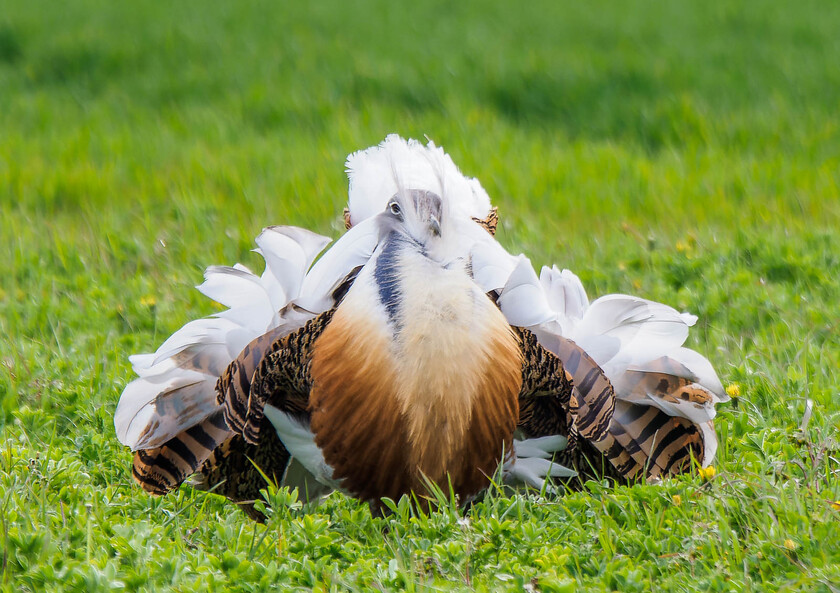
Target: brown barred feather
{"type": "Point", "coordinates": [640, 441]}
{"type": "Point", "coordinates": [607, 438]}
{"type": "Point", "coordinates": [274, 366]}
{"type": "Point", "coordinates": [232, 469]}
{"type": "Point", "coordinates": [233, 389]}
{"type": "Point", "coordinates": [489, 223]}
{"type": "Point", "coordinates": [652, 443]}
{"type": "Point", "coordinates": [544, 400]}
{"type": "Point", "coordinates": [594, 392]}
{"type": "Point", "coordinates": [282, 377]}
{"type": "Point", "coordinates": [549, 404]}
{"type": "Point", "coordinates": [270, 369]}
{"type": "Point", "coordinates": [164, 468]}
{"type": "Point", "coordinates": [571, 397]}
{"type": "Point", "coordinates": [592, 464]}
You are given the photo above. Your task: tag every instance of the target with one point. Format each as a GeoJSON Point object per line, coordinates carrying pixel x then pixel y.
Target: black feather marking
{"type": "Point", "coordinates": [615, 450]}
{"type": "Point", "coordinates": [654, 425]}
{"type": "Point", "coordinates": [343, 288]}
{"type": "Point", "coordinates": [633, 413]}
{"type": "Point", "coordinates": [386, 276]}
{"type": "Point", "coordinates": [200, 436]}
{"type": "Point", "coordinates": [617, 429]}
{"type": "Point", "coordinates": [589, 380]}
{"type": "Point", "coordinates": [678, 457]}
{"type": "Point", "coordinates": [160, 461]}
{"type": "Point", "coordinates": [573, 361]}
{"type": "Point", "coordinates": [218, 420]}
{"type": "Point", "coordinates": [180, 448]}
{"type": "Point", "coordinates": [244, 386]}
{"type": "Point", "coordinates": [678, 432]}
{"type": "Point", "coordinates": [626, 467]}
{"type": "Point", "coordinates": [153, 482]}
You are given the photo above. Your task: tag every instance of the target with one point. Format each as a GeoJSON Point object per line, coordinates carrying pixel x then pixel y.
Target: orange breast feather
{"type": "Point", "coordinates": [388, 412]}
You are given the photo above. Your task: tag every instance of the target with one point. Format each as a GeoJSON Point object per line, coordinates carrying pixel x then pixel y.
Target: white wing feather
{"type": "Point", "coordinates": [565, 294]}
{"type": "Point", "coordinates": [300, 442]}
{"type": "Point", "coordinates": [176, 384]}
{"type": "Point", "coordinates": [522, 299]}
{"type": "Point", "coordinates": [352, 250]}
{"type": "Point", "coordinates": [144, 399]}
{"type": "Point", "coordinates": [531, 462]}
{"type": "Point", "coordinates": [629, 337]}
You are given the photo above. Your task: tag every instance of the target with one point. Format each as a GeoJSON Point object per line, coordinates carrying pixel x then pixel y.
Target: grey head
{"type": "Point", "coordinates": [416, 214]}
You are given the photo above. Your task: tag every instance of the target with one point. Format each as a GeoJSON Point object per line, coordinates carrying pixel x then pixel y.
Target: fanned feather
{"type": "Point", "coordinates": [352, 250]}
{"type": "Point", "coordinates": [176, 384]}
{"type": "Point", "coordinates": [632, 392]}
{"type": "Point", "coordinates": [665, 394]}
{"type": "Point", "coordinates": [522, 299]}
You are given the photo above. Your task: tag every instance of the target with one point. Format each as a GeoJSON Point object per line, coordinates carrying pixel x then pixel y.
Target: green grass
{"type": "Point", "coordinates": [685, 152]}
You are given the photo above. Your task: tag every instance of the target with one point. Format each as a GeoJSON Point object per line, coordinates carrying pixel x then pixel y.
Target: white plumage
{"type": "Point", "coordinates": [184, 370]}
{"type": "Point", "coordinates": [630, 338]}
{"type": "Point", "coordinates": [377, 173]}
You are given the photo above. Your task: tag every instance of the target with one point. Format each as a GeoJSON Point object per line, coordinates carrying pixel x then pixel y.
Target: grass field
{"type": "Point", "coordinates": [684, 152]}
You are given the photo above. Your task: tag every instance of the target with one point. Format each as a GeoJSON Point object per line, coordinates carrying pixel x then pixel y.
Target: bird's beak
{"type": "Point", "coordinates": [434, 226]}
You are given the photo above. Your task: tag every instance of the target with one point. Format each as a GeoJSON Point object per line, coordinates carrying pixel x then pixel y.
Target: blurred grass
{"type": "Point", "coordinates": [685, 153]}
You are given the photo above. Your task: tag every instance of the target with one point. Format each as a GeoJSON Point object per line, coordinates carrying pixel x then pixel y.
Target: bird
{"type": "Point", "coordinates": [415, 353]}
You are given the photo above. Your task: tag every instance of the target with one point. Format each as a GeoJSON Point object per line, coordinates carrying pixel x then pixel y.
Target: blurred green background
{"type": "Point", "coordinates": [684, 152]}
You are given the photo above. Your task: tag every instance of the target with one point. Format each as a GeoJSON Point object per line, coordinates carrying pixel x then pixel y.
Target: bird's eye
{"type": "Point", "coordinates": [394, 208]}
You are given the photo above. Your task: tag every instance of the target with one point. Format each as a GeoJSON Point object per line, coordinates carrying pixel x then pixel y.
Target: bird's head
{"type": "Point", "coordinates": [419, 215]}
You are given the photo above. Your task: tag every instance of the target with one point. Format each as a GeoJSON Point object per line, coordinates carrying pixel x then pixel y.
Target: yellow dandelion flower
{"type": "Point", "coordinates": [836, 505]}
{"type": "Point", "coordinates": [682, 246]}
{"type": "Point", "coordinates": [733, 390]}
{"type": "Point", "coordinates": [148, 301]}
{"type": "Point", "coordinates": [790, 545]}
{"type": "Point", "coordinates": [707, 473]}
{"type": "Point", "coordinates": [677, 500]}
